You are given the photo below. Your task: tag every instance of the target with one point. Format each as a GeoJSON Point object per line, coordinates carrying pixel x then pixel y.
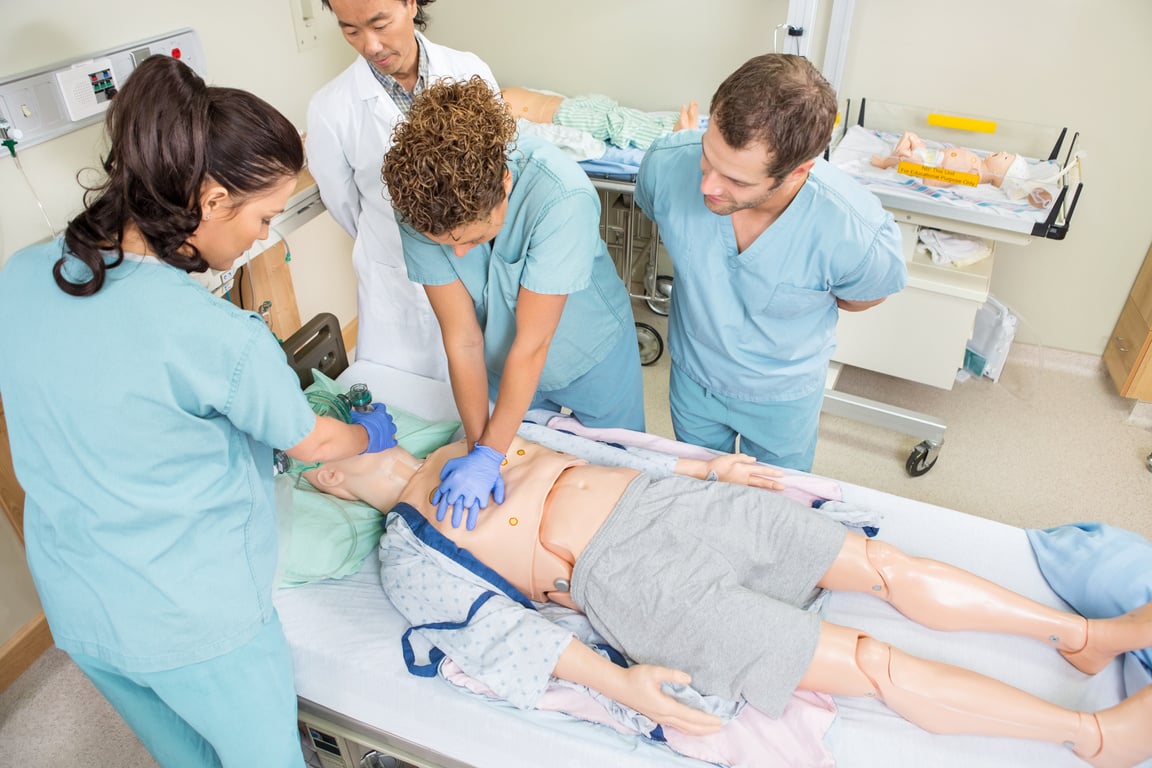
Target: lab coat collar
{"type": "Point", "coordinates": [368, 87]}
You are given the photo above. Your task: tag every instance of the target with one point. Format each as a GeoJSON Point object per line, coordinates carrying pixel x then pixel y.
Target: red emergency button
{"type": "Point", "coordinates": [175, 53]}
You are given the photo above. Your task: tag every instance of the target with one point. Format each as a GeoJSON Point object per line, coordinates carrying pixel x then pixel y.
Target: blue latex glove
{"type": "Point", "coordinates": [381, 430]}
{"type": "Point", "coordinates": [466, 482]}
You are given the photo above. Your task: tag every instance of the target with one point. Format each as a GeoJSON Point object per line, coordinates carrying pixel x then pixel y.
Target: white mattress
{"type": "Point", "coordinates": [345, 637]}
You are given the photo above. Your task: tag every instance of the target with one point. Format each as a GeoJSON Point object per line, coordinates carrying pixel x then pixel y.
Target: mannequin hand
{"type": "Point", "coordinates": [744, 470]}
{"type": "Point", "coordinates": [642, 692]}
{"type": "Point", "coordinates": [381, 430]}
{"type": "Point", "coordinates": [466, 482]}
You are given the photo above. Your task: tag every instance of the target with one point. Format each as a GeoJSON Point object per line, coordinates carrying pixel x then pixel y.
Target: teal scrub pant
{"type": "Point", "coordinates": [781, 433]}
{"type": "Point", "coordinates": [233, 711]}
{"type": "Point", "coordinates": [609, 395]}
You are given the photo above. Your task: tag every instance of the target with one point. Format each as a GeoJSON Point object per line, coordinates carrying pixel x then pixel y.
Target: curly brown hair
{"type": "Point", "coordinates": [446, 165]}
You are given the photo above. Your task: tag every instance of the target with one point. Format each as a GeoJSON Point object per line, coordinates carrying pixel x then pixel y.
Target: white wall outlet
{"type": "Point", "coordinates": [306, 22]}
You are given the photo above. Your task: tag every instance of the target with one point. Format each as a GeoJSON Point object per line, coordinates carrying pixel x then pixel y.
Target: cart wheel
{"type": "Point", "coordinates": [651, 345]}
{"type": "Point", "coordinates": [663, 288]}
{"type": "Point", "coordinates": [918, 462]}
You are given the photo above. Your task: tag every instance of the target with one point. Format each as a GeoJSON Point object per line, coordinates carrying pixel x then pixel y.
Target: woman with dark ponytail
{"type": "Point", "coordinates": [142, 412]}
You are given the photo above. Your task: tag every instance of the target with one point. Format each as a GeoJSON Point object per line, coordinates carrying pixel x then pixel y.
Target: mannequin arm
{"type": "Point", "coordinates": [637, 686]}
{"type": "Point", "coordinates": [731, 468]}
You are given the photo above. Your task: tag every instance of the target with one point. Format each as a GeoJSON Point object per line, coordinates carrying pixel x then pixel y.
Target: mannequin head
{"type": "Point", "coordinates": [377, 479]}
{"type": "Point", "coordinates": [996, 167]}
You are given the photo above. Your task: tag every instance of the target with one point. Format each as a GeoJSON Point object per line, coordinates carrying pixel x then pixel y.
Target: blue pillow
{"type": "Point", "coordinates": [1098, 569]}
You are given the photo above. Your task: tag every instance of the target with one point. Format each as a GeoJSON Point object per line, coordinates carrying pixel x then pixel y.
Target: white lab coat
{"type": "Point", "coordinates": [350, 122]}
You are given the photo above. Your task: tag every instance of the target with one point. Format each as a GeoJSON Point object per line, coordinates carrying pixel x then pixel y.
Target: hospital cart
{"type": "Point", "coordinates": [633, 242]}
{"type": "Point", "coordinates": [921, 333]}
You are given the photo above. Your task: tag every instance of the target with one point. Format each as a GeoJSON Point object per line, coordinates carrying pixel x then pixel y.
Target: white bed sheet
{"type": "Point", "coordinates": [345, 637]}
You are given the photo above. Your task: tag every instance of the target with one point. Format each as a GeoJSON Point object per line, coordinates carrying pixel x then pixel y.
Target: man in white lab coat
{"type": "Point", "coordinates": [350, 123]}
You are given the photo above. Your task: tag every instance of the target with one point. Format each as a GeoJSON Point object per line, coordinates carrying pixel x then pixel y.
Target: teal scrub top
{"type": "Point", "coordinates": [141, 420]}
{"type": "Point", "coordinates": [760, 325]}
{"type": "Point", "coordinates": [550, 243]}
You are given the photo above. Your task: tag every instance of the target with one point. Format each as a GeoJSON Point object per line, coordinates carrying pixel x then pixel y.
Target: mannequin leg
{"type": "Point", "coordinates": [941, 698]}
{"type": "Point", "coordinates": [944, 597]}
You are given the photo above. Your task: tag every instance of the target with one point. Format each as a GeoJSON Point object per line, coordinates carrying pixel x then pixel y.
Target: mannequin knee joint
{"type": "Point", "coordinates": [881, 557]}
{"type": "Point", "coordinates": [874, 659]}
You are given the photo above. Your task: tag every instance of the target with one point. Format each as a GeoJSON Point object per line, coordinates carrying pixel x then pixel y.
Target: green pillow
{"type": "Point", "coordinates": [326, 537]}
{"type": "Point", "coordinates": [322, 536]}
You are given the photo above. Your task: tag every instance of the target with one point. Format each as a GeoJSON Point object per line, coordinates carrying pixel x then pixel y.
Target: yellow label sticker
{"type": "Point", "coordinates": [938, 174]}
{"type": "Point", "coordinates": [972, 124]}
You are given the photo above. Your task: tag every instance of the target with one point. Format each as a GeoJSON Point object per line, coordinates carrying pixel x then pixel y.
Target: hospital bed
{"type": "Point", "coordinates": [358, 703]}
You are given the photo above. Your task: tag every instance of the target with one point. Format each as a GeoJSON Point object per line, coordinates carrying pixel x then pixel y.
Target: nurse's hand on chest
{"type": "Point", "coordinates": [466, 484]}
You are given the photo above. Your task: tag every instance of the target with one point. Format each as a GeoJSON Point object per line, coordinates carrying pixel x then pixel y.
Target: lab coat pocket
{"type": "Point", "coordinates": [789, 301]}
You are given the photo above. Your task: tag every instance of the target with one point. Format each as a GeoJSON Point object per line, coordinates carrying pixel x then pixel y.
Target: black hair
{"type": "Point", "coordinates": [421, 20]}
{"type": "Point", "coordinates": [168, 134]}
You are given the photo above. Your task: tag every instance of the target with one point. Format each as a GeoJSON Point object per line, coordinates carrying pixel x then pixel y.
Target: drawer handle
{"type": "Point", "coordinates": [1120, 344]}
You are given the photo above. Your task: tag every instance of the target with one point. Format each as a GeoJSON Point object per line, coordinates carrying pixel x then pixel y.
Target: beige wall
{"type": "Point", "coordinates": [1053, 62]}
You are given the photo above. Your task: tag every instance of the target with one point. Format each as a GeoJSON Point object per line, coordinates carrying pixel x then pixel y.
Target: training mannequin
{"type": "Point", "coordinates": [572, 510]}
{"type": "Point", "coordinates": [992, 169]}
{"type": "Point", "coordinates": [599, 115]}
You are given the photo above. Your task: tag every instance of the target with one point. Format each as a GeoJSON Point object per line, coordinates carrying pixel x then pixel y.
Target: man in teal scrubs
{"type": "Point", "coordinates": [768, 243]}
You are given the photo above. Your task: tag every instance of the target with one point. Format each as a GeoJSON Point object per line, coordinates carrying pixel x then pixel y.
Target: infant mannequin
{"type": "Point", "coordinates": [995, 168]}
{"type": "Point", "coordinates": [598, 115]}
{"type": "Point", "coordinates": [571, 510]}
{"type": "Point", "coordinates": [992, 169]}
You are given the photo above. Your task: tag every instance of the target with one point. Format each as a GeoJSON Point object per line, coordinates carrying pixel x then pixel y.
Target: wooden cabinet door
{"type": "Point", "coordinates": [1126, 355]}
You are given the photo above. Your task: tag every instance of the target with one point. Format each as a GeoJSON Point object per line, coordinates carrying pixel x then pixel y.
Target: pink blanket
{"type": "Point", "coordinates": [749, 740]}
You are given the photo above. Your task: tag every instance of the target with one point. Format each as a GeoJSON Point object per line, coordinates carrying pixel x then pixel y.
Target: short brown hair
{"type": "Point", "coordinates": [446, 165]}
{"type": "Point", "coordinates": [778, 100]}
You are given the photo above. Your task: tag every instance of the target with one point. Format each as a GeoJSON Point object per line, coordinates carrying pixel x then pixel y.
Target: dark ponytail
{"type": "Point", "coordinates": [168, 135]}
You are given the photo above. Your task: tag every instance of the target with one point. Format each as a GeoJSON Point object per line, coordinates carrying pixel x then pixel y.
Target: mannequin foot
{"type": "Point", "coordinates": [1125, 737]}
{"type": "Point", "coordinates": [689, 117]}
{"type": "Point", "coordinates": [1108, 638]}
